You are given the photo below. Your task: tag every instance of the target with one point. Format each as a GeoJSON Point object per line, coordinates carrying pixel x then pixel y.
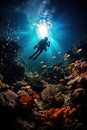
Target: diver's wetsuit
{"type": "Point", "coordinates": [40, 47]}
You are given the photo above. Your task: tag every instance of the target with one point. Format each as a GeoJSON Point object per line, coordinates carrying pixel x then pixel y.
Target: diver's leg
{"type": "Point", "coordinates": [34, 54]}
{"type": "Point", "coordinates": [37, 54]}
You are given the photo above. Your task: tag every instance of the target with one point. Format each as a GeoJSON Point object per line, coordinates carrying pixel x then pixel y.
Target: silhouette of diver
{"type": "Point", "coordinates": [41, 46]}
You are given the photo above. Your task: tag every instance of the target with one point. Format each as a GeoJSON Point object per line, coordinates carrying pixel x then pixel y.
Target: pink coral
{"type": "Point", "coordinates": [81, 66]}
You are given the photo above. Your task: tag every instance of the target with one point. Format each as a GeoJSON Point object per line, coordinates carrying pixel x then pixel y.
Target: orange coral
{"type": "Point", "coordinates": [0, 83]}
{"type": "Point", "coordinates": [25, 99]}
{"type": "Point", "coordinates": [34, 95]}
{"type": "Point", "coordinates": [30, 99]}
{"type": "Point", "coordinates": [78, 90]}
{"type": "Point", "coordinates": [57, 117]}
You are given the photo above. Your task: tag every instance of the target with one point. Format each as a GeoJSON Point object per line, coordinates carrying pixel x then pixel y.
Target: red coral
{"type": "Point", "coordinates": [29, 100]}
{"type": "Point", "coordinates": [34, 95]}
{"type": "Point", "coordinates": [25, 99]}
{"type": "Point", "coordinates": [57, 117]}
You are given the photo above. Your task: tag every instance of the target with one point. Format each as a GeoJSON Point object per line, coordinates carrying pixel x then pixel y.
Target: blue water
{"type": "Point", "coordinates": [67, 24]}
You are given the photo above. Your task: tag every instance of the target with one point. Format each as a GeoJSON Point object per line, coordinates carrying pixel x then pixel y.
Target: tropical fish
{"type": "Point", "coordinates": [41, 62]}
{"type": "Point", "coordinates": [79, 50]}
{"type": "Point", "coordinates": [53, 57]}
{"type": "Point", "coordinates": [66, 56]}
{"type": "Point", "coordinates": [55, 77]}
{"type": "Point", "coordinates": [56, 67]}
{"type": "Point", "coordinates": [61, 80]}
{"type": "Point", "coordinates": [44, 66]}
{"type": "Point", "coordinates": [59, 52]}
{"type": "Point", "coordinates": [27, 87]}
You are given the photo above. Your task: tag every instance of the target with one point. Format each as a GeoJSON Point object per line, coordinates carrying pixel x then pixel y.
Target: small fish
{"type": "Point", "coordinates": [59, 52]}
{"type": "Point", "coordinates": [56, 67]}
{"type": "Point", "coordinates": [66, 56]}
{"type": "Point", "coordinates": [79, 50]}
{"type": "Point", "coordinates": [53, 57]}
{"type": "Point", "coordinates": [41, 62]}
{"type": "Point", "coordinates": [61, 80]}
{"type": "Point", "coordinates": [44, 66]}
{"type": "Point", "coordinates": [55, 77]}
{"type": "Point", "coordinates": [27, 87]}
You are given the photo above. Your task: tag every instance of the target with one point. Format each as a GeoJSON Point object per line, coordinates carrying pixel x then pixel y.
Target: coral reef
{"type": "Point", "coordinates": [8, 67]}
{"type": "Point", "coordinates": [54, 100]}
{"type": "Point", "coordinates": [53, 74]}
{"type": "Point", "coordinates": [57, 117]}
{"type": "Point", "coordinates": [52, 96]}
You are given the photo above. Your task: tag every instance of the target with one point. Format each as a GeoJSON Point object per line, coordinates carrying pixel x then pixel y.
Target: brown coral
{"type": "Point", "coordinates": [0, 83]}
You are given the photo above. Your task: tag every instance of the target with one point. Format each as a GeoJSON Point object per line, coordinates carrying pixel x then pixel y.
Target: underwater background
{"type": "Point", "coordinates": [65, 25]}
{"type": "Point", "coordinates": [50, 92]}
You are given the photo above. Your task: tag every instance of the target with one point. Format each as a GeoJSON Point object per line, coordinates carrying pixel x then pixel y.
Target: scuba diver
{"type": "Point", "coordinates": [41, 46]}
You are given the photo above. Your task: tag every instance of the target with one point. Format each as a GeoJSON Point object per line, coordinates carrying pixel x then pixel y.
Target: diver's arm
{"type": "Point", "coordinates": [48, 43]}
{"type": "Point", "coordinates": [36, 46]}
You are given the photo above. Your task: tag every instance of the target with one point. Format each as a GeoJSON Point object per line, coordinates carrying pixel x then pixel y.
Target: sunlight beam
{"type": "Point", "coordinates": [43, 29]}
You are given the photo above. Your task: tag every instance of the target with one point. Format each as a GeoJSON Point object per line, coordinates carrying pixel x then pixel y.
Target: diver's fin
{"type": "Point", "coordinates": [30, 57]}
{"type": "Point", "coordinates": [34, 58]}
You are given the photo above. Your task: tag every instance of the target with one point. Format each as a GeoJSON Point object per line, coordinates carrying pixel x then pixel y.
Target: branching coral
{"type": "Point", "coordinates": [57, 117]}
{"type": "Point", "coordinates": [28, 99]}
{"type": "Point", "coordinates": [25, 99]}
{"type": "Point", "coordinates": [34, 95]}
{"type": "Point", "coordinates": [78, 72]}
{"type": "Point", "coordinates": [79, 78]}
{"type": "Point", "coordinates": [80, 66]}
{"type": "Point", "coordinates": [77, 68]}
